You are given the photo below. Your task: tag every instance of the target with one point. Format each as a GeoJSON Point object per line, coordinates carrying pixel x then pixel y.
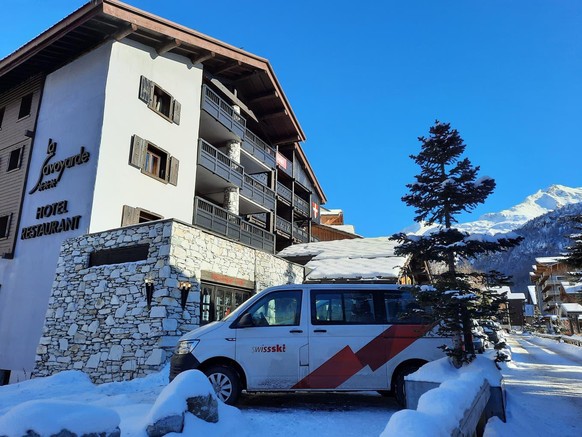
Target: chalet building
{"type": "Point", "coordinates": [148, 175]}
{"type": "Point", "coordinates": [332, 227]}
{"type": "Point", "coordinates": [557, 295]}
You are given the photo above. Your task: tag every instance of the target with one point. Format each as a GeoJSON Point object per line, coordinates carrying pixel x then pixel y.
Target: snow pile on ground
{"type": "Point", "coordinates": [440, 410]}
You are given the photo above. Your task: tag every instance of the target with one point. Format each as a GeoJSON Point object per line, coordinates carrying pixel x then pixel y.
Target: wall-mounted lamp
{"type": "Point", "coordinates": [184, 287]}
{"type": "Point", "coordinates": [149, 291]}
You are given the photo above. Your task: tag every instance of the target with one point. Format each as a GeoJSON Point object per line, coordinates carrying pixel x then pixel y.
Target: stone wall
{"type": "Point", "coordinates": [98, 320]}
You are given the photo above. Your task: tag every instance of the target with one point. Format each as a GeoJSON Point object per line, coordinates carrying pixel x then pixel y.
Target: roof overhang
{"type": "Point", "coordinates": [102, 20]}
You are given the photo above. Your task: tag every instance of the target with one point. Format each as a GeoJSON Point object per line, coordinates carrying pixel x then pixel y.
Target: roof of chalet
{"type": "Point", "coordinates": [100, 20]}
{"type": "Point", "coordinates": [532, 294]}
{"type": "Point", "coordinates": [357, 259]}
{"type": "Point", "coordinates": [571, 307]}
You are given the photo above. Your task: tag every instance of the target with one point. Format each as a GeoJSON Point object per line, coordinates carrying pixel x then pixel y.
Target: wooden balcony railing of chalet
{"type": "Point", "coordinates": [302, 206]}
{"type": "Point", "coordinates": [259, 149]}
{"type": "Point", "coordinates": [300, 234]}
{"type": "Point", "coordinates": [222, 222]}
{"type": "Point", "coordinates": [223, 112]}
{"type": "Point", "coordinates": [254, 190]}
{"type": "Point", "coordinates": [283, 226]}
{"type": "Point", "coordinates": [218, 163]}
{"type": "Point", "coordinates": [284, 192]}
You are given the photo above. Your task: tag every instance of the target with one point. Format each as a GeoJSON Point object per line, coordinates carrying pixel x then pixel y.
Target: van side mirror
{"type": "Point", "coordinates": [246, 321]}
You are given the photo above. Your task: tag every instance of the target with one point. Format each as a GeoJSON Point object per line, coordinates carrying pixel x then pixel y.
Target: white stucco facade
{"type": "Point", "coordinates": [117, 182]}
{"type": "Point", "coordinates": [89, 111]}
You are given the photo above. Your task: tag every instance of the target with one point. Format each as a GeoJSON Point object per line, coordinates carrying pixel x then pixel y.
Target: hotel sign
{"type": "Point", "coordinates": [57, 168]}
{"type": "Point", "coordinates": [50, 175]}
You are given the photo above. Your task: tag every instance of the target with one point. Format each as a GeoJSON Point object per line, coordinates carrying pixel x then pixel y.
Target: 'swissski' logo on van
{"type": "Point", "coordinates": [267, 349]}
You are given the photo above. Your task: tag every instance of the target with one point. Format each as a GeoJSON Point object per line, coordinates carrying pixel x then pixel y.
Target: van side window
{"type": "Point", "coordinates": [402, 307]}
{"type": "Point", "coordinates": [343, 307]}
{"type": "Point", "coordinates": [281, 308]}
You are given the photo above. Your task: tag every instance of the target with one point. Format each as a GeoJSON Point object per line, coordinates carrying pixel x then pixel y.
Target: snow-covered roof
{"type": "Point", "coordinates": [532, 294]}
{"type": "Point", "coordinates": [571, 307]}
{"type": "Point", "coordinates": [572, 288]}
{"type": "Point", "coordinates": [550, 259]}
{"type": "Point", "coordinates": [350, 229]}
{"type": "Point", "coordinates": [366, 258]}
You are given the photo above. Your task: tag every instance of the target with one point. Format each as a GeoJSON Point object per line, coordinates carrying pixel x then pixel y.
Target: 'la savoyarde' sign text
{"type": "Point", "coordinates": [57, 168]}
{"type": "Point", "coordinates": [52, 210]}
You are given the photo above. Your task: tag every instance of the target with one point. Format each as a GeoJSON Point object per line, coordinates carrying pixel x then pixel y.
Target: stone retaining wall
{"type": "Point", "coordinates": [98, 320]}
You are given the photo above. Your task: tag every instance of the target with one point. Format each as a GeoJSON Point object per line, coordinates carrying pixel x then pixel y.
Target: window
{"type": "Point", "coordinates": [402, 307]}
{"type": "Point", "coordinates": [280, 308]}
{"type": "Point", "coordinates": [25, 106]}
{"type": "Point", "coordinates": [14, 160]}
{"type": "Point", "coordinates": [4, 225]}
{"type": "Point", "coordinates": [119, 255]}
{"type": "Point", "coordinates": [134, 216]}
{"type": "Point", "coordinates": [2, 111]}
{"type": "Point", "coordinates": [344, 307]}
{"type": "Point", "coordinates": [154, 161]}
{"type": "Point", "coordinates": [159, 100]}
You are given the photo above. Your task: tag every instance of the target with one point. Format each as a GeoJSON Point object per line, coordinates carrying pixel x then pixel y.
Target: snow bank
{"type": "Point", "coordinates": [47, 417]}
{"type": "Point", "coordinates": [440, 410]}
{"type": "Point", "coordinates": [442, 370]}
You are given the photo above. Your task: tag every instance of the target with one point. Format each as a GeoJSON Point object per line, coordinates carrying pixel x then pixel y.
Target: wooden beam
{"type": "Point", "coordinates": [263, 97]}
{"type": "Point", "coordinates": [122, 33]}
{"type": "Point", "coordinates": [227, 67]}
{"type": "Point", "coordinates": [272, 115]}
{"type": "Point", "coordinates": [202, 58]}
{"type": "Point", "coordinates": [247, 76]}
{"type": "Point", "coordinates": [172, 44]}
{"type": "Point", "coordinates": [287, 140]}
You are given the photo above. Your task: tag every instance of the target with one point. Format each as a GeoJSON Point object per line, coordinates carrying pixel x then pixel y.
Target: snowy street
{"type": "Point", "coordinates": [543, 384]}
{"type": "Point", "coordinates": [544, 388]}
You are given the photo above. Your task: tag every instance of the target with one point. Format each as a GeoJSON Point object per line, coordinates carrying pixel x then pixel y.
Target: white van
{"type": "Point", "coordinates": [312, 337]}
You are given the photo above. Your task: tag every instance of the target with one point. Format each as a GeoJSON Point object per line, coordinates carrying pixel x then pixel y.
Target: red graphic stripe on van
{"type": "Point", "coordinates": [345, 364]}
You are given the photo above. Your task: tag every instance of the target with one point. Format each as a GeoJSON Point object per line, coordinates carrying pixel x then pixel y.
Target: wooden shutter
{"type": "Point", "coordinates": [146, 89]}
{"type": "Point", "coordinates": [130, 216]}
{"type": "Point", "coordinates": [174, 167]}
{"type": "Point", "coordinates": [138, 151]}
{"type": "Point", "coordinates": [177, 108]}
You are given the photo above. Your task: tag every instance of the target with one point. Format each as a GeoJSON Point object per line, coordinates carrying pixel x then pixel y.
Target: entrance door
{"type": "Point", "coordinates": [272, 347]}
{"type": "Point", "coordinates": [218, 301]}
{"type": "Point", "coordinates": [346, 345]}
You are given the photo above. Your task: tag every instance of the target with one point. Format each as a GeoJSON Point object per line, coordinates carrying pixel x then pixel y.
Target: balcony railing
{"type": "Point", "coordinates": [302, 206]}
{"type": "Point", "coordinates": [283, 226]}
{"type": "Point", "coordinates": [220, 164]}
{"type": "Point", "coordinates": [223, 112]}
{"type": "Point", "coordinates": [222, 222]}
{"type": "Point", "coordinates": [284, 192]}
{"type": "Point", "coordinates": [256, 191]}
{"type": "Point", "coordinates": [300, 234]}
{"type": "Point", "coordinates": [259, 149]}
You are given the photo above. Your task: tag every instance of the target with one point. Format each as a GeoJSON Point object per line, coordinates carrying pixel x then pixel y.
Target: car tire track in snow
{"type": "Point", "coordinates": [543, 385]}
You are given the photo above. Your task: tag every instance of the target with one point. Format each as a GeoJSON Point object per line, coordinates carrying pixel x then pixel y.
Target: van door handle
{"type": "Point", "coordinates": [320, 330]}
{"type": "Point", "coordinates": [296, 331]}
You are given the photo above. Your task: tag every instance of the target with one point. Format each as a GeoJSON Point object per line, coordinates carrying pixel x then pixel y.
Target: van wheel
{"type": "Point", "coordinates": [226, 383]}
{"type": "Point", "coordinates": [398, 382]}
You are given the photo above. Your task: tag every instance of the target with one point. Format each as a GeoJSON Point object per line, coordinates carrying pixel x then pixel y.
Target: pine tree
{"type": "Point", "coordinates": [447, 186]}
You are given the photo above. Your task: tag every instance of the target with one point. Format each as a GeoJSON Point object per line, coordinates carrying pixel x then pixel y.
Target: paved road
{"type": "Point", "coordinates": [544, 388]}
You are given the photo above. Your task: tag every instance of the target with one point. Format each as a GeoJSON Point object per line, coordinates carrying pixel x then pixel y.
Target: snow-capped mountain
{"type": "Point", "coordinates": [538, 204]}
{"type": "Point", "coordinates": [546, 235]}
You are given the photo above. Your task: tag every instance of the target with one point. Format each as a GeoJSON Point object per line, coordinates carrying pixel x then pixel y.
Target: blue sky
{"type": "Point", "coordinates": [366, 78]}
